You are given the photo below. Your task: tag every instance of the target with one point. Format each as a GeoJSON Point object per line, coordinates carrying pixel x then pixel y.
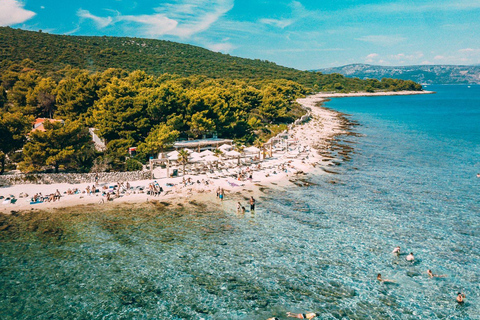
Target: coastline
{"type": "Point", "coordinates": [315, 135]}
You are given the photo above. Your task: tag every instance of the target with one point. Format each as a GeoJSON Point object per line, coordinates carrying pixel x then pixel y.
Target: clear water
{"type": "Point", "coordinates": [411, 182]}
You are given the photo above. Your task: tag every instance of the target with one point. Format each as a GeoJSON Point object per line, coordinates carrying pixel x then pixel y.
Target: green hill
{"type": "Point", "coordinates": [54, 52]}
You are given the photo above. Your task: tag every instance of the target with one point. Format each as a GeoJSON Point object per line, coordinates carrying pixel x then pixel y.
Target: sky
{"type": "Point", "coordinates": [303, 34]}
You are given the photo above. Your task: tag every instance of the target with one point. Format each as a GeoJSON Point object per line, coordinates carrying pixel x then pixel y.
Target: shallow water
{"type": "Point", "coordinates": [411, 182]}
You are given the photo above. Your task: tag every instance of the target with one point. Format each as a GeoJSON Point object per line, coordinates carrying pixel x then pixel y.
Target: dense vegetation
{"type": "Point", "coordinates": [181, 91]}
{"type": "Point", "coordinates": [131, 109]}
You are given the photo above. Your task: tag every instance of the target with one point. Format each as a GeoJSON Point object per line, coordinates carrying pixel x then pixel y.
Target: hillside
{"type": "Point", "coordinates": [51, 53]}
{"type": "Point", "coordinates": [424, 74]}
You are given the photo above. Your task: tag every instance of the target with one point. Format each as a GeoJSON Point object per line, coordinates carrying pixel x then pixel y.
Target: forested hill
{"type": "Point", "coordinates": [51, 53]}
{"type": "Point", "coordinates": [54, 52]}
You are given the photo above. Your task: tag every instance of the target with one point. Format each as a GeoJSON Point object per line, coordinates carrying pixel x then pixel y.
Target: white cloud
{"type": "Point", "coordinates": [417, 7]}
{"type": "Point", "coordinates": [382, 40]}
{"type": "Point", "coordinates": [12, 12]}
{"type": "Point", "coordinates": [279, 23]}
{"type": "Point", "coordinates": [99, 21]}
{"type": "Point", "coordinates": [152, 25]}
{"type": "Point", "coordinates": [395, 59]}
{"type": "Point", "coordinates": [406, 58]}
{"type": "Point", "coordinates": [221, 47]}
{"type": "Point", "coordinates": [183, 18]}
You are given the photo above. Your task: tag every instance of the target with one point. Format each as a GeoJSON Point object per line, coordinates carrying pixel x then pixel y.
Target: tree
{"type": "Point", "coordinates": [17, 95]}
{"type": "Point", "coordinates": [120, 113]}
{"type": "Point", "coordinates": [159, 138]}
{"type": "Point", "coordinates": [13, 132]}
{"type": "Point", "coordinates": [61, 144]}
{"type": "Point", "coordinates": [41, 100]}
{"type": "Point", "coordinates": [200, 124]}
{"type": "Point", "coordinates": [183, 158]}
{"type": "Point", "coordinates": [75, 96]}
{"type": "Point", "coordinates": [3, 98]}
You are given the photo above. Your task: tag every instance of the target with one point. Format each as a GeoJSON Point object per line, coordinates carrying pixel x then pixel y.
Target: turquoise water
{"type": "Point", "coordinates": [411, 181]}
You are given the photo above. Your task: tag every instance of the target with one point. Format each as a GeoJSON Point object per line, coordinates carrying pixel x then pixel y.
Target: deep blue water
{"type": "Point", "coordinates": [411, 181]}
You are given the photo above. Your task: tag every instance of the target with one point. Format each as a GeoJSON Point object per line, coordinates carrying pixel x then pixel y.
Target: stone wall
{"type": "Point", "coordinates": [72, 178]}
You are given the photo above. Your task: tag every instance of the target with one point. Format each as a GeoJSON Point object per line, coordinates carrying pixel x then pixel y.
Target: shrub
{"type": "Point", "coordinates": [133, 165]}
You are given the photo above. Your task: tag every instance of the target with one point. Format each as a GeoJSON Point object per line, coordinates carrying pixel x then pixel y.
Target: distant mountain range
{"type": "Point", "coordinates": [424, 74]}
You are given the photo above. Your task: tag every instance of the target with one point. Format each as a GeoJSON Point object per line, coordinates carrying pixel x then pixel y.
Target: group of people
{"type": "Point", "coordinates": [241, 208]}
{"type": "Point", "coordinates": [154, 189]}
{"type": "Point", "coordinates": [411, 258]}
{"type": "Point", "coordinates": [220, 193]}
{"type": "Point", "coordinates": [52, 197]}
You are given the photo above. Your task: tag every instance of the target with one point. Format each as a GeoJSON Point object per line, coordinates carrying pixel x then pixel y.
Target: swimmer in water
{"type": "Point", "coordinates": [379, 278]}
{"type": "Point", "coordinates": [410, 257]}
{"type": "Point", "coordinates": [432, 275]}
{"type": "Point", "coordinates": [396, 251]}
{"type": "Point", "coordinates": [460, 297]}
{"type": "Point", "coordinates": [309, 315]}
{"type": "Point", "coordinates": [273, 318]}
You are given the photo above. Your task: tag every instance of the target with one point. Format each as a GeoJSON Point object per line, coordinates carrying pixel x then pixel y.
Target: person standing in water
{"type": "Point", "coordinates": [410, 257]}
{"type": "Point", "coordinates": [252, 204]}
{"type": "Point", "coordinates": [460, 298]}
{"type": "Point", "coordinates": [396, 251]}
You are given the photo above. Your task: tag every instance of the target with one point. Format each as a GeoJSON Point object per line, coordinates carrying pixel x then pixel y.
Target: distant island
{"type": "Point", "coordinates": [424, 74]}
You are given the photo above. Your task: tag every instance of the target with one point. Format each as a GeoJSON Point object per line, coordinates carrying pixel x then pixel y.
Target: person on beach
{"type": "Point", "coordinates": [410, 257]}
{"type": "Point", "coordinates": [222, 194]}
{"type": "Point", "coordinates": [432, 275]}
{"type": "Point", "coordinates": [379, 278]}
{"type": "Point", "coordinates": [252, 204]}
{"type": "Point", "coordinates": [396, 251]}
{"type": "Point", "coordinates": [309, 315]}
{"type": "Point", "coordinates": [461, 298]}
{"type": "Point", "coordinates": [218, 192]}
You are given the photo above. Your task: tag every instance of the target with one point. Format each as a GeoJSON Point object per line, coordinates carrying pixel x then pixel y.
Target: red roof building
{"type": "Point", "coordinates": [38, 124]}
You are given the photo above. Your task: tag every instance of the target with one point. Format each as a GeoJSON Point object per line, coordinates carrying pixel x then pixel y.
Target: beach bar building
{"type": "Point", "coordinates": [198, 145]}
{"type": "Point", "coordinates": [202, 144]}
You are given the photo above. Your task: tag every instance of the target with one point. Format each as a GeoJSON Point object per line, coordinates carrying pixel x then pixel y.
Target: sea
{"type": "Point", "coordinates": [410, 180]}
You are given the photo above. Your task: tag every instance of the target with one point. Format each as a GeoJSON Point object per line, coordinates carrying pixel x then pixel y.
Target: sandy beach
{"type": "Point", "coordinates": [306, 152]}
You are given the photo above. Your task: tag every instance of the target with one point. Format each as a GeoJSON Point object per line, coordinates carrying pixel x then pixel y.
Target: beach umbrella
{"type": "Point", "coordinates": [188, 150]}
{"type": "Point", "coordinates": [173, 157]}
{"type": "Point", "coordinates": [225, 147]}
{"type": "Point", "coordinates": [251, 149]}
{"type": "Point", "coordinates": [233, 153]}
{"type": "Point", "coordinates": [172, 154]}
{"type": "Point", "coordinates": [207, 153]}
{"type": "Point", "coordinates": [195, 154]}
{"type": "Point", "coordinates": [210, 158]}
{"type": "Point", "coordinates": [195, 159]}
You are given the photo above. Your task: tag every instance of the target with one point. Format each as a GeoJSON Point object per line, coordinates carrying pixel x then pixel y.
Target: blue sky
{"type": "Point", "coordinates": [304, 34]}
